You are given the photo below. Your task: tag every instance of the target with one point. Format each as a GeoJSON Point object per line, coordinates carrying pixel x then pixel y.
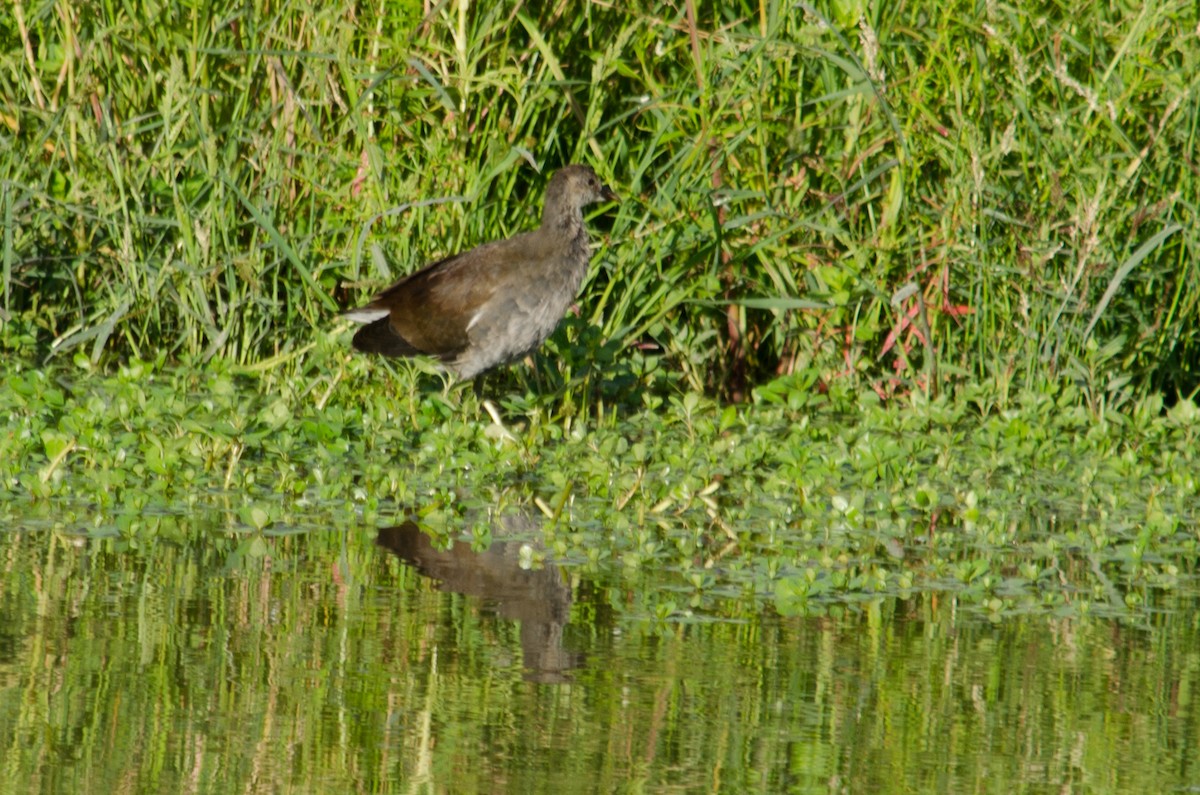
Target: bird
{"type": "Point", "coordinates": [496, 303]}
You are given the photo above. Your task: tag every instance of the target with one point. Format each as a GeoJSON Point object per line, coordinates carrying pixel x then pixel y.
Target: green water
{"type": "Point", "coordinates": [208, 585]}
{"type": "Point", "coordinates": [348, 659]}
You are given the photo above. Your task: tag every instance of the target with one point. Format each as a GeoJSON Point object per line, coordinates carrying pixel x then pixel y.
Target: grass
{"type": "Point", "coordinates": [878, 284]}
{"type": "Point", "coordinates": [981, 219]}
{"type": "Point", "coordinates": [904, 201]}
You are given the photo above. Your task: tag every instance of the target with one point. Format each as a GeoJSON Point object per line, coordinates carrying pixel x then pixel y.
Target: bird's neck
{"type": "Point", "coordinates": [562, 216]}
{"type": "Point", "coordinates": [564, 232]}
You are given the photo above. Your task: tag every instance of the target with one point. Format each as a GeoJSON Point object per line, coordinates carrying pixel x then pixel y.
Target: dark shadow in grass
{"type": "Point", "coordinates": [578, 369]}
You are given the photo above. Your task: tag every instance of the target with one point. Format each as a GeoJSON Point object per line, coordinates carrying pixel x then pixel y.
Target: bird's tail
{"type": "Point", "coordinates": [379, 337]}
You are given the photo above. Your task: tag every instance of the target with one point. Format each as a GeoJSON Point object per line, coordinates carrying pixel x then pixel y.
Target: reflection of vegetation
{"type": "Point", "coordinates": [808, 190]}
{"type": "Point", "coordinates": [330, 667]}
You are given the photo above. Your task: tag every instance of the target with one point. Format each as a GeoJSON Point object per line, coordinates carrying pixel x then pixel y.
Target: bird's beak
{"type": "Point", "coordinates": [607, 194]}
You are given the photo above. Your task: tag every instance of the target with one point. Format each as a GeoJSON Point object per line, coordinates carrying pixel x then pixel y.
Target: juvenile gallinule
{"type": "Point", "coordinates": [496, 303]}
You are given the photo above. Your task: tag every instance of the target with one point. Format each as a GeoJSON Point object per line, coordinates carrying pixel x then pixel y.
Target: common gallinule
{"type": "Point", "coordinates": [496, 303]}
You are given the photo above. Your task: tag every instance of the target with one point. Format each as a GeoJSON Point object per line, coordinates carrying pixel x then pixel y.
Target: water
{"type": "Point", "coordinates": [357, 659]}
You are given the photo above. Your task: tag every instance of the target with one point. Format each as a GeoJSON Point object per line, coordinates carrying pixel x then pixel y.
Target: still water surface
{"type": "Point", "coordinates": [346, 660]}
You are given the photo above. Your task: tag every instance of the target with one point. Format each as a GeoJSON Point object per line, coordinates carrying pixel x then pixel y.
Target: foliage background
{"type": "Point", "coordinates": [904, 195]}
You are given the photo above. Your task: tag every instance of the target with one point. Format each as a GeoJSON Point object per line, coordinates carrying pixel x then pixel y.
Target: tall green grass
{"type": "Point", "coordinates": [920, 196]}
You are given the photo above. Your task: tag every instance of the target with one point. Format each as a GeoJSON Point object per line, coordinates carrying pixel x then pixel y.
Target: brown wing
{"type": "Point", "coordinates": [431, 310]}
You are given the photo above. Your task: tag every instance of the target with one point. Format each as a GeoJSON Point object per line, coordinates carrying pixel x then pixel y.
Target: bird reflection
{"type": "Point", "coordinates": [540, 600]}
